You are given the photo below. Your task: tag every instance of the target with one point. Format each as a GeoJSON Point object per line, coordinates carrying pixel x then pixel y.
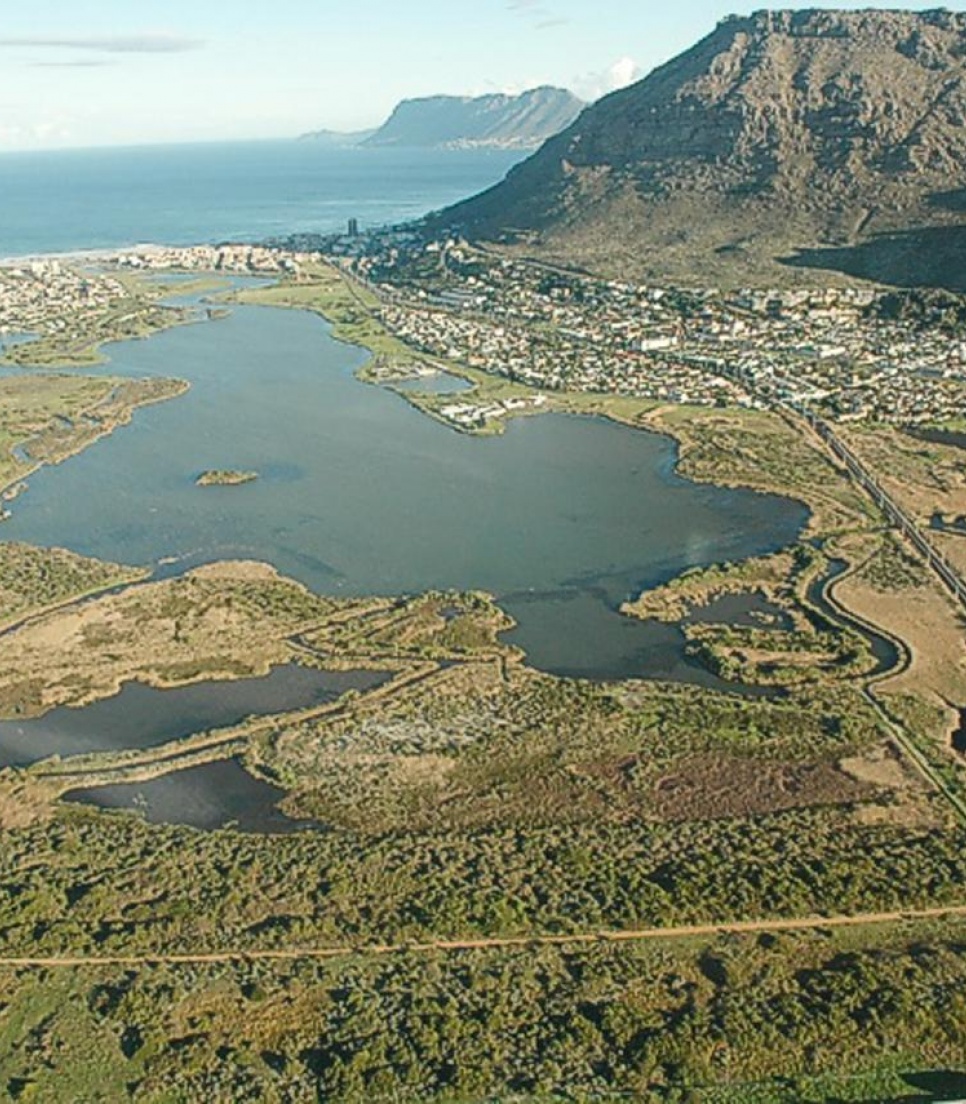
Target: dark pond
{"type": "Point", "coordinates": [211, 796]}
{"type": "Point", "coordinates": [955, 525]}
{"type": "Point", "coordinates": [752, 611]}
{"type": "Point", "coordinates": [142, 717]}
{"type": "Point", "coordinates": [959, 736]}
{"type": "Point", "coordinates": [623, 647]}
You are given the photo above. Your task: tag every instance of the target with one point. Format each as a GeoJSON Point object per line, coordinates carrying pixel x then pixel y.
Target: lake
{"type": "Point", "coordinates": [562, 518]}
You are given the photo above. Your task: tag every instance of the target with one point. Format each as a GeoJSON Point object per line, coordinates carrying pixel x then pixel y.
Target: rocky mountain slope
{"type": "Point", "coordinates": [781, 143]}
{"type": "Point", "coordinates": [495, 121]}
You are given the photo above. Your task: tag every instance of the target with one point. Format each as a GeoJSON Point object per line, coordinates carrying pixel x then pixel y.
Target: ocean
{"type": "Point", "coordinates": [62, 201]}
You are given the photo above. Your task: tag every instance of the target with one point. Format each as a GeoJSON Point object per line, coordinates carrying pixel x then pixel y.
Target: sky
{"type": "Point", "coordinates": [76, 73]}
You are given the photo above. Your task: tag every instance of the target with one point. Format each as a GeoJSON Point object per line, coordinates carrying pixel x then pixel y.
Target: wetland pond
{"type": "Point", "coordinates": [562, 518]}
{"type": "Point", "coordinates": [141, 716]}
{"type": "Point", "coordinates": [213, 795]}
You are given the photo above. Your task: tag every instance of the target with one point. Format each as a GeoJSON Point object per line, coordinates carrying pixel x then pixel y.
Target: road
{"type": "Point", "coordinates": [907, 525]}
{"type": "Point", "coordinates": [447, 946]}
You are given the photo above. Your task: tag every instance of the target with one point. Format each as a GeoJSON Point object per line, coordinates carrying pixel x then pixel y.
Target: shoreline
{"type": "Point", "coordinates": [640, 415]}
{"type": "Point", "coordinates": [105, 428]}
{"type": "Point", "coordinates": [95, 253]}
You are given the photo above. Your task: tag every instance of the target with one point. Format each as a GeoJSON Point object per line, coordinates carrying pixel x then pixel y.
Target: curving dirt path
{"type": "Point", "coordinates": [443, 946]}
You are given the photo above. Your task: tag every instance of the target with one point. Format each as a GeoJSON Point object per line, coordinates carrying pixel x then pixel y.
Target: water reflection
{"type": "Point", "coordinates": [142, 717]}
{"type": "Point", "coordinates": [214, 795]}
{"type": "Point", "coordinates": [361, 494]}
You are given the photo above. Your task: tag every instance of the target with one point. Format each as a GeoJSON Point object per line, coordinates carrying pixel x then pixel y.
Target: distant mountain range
{"type": "Point", "coordinates": [781, 142]}
{"type": "Point", "coordinates": [342, 138]}
{"type": "Point", "coordinates": [464, 122]}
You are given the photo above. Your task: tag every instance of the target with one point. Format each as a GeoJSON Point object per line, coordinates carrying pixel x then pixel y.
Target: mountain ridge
{"type": "Point", "coordinates": [781, 142]}
{"type": "Point", "coordinates": [495, 121]}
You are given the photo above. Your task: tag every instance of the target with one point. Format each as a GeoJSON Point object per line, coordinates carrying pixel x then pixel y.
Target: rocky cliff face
{"type": "Point", "coordinates": [499, 121]}
{"type": "Point", "coordinates": [811, 138]}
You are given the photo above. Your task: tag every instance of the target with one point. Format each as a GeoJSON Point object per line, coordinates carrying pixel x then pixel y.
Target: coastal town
{"type": "Point", "coordinates": [240, 259]}
{"type": "Point", "coordinates": [78, 302]}
{"type": "Point", "coordinates": [844, 354]}
{"type": "Point", "coordinates": [836, 351]}
{"type": "Point", "coordinates": [38, 297]}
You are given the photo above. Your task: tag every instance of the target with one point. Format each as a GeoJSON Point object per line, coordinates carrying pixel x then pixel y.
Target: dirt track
{"type": "Point", "coordinates": [808, 923]}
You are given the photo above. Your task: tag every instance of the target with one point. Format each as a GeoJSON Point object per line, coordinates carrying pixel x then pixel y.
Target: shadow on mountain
{"type": "Point", "coordinates": [933, 256]}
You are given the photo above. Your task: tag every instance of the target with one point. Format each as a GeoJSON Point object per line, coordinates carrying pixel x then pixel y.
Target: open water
{"type": "Point", "coordinates": [562, 518]}
{"type": "Point", "coordinates": [62, 201]}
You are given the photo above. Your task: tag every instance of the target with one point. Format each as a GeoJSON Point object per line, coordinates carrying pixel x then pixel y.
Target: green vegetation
{"type": "Point", "coordinates": [347, 305]}
{"type": "Point", "coordinates": [714, 1021]}
{"type": "Point", "coordinates": [226, 620]}
{"type": "Point", "coordinates": [471, 798]}
{"type": "Point", "coordinates": [468, 796]}
{"type": "Point", "coordinates": [763, 450]}
{"type": "Point", "coordinates": [484, 747]}
{"type": "Point", "coordinates": [90, 883]}
{"type": "Point", "coordinates": [892, 568]}
{"type": "Point", "coordinates": [926, 726]}
{"type": "Point", "coordinates": [224, 477]}
{"type": "Point", "coordinates": [46, 418]}
{"type": "Point", "coordinates": [34, 579]}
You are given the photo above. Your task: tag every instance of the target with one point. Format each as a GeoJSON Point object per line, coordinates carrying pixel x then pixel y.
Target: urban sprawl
{"type": "Point", "coordinates": [837, 352]}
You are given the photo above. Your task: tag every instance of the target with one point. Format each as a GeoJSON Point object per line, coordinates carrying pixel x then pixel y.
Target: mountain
{"type": "Point", "coordinates": [339, 138]}
{"type": "Point", "coordinates": [782, 142]}
{"type": "Point", "coordinates": [454, 122]}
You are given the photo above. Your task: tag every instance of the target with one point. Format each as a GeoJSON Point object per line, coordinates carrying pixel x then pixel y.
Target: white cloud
{"type": "Point", "coordinates": [591, 86]}
{"type": "Point", "coordinates": [39, 133]}
{"type": "Point", "coordinates": [540, 15]}
{"type": "Point", "coordinates": [147, 43]}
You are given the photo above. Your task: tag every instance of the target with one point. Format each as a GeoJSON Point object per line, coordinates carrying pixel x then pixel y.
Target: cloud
{"type": "Point", "coordinates": [147, 43]}
{"type": "Point", "coordinates": [537, 12]}
{"type": "Point", "coordinates": [591, 86]}
{"type": "Point", "coordinates": [71, 64]}
{"type": "Point", "coordinates": [39, 133]}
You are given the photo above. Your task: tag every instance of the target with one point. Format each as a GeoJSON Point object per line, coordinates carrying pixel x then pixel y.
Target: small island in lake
{"type": "Point", "coordinates": [225, 478]}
